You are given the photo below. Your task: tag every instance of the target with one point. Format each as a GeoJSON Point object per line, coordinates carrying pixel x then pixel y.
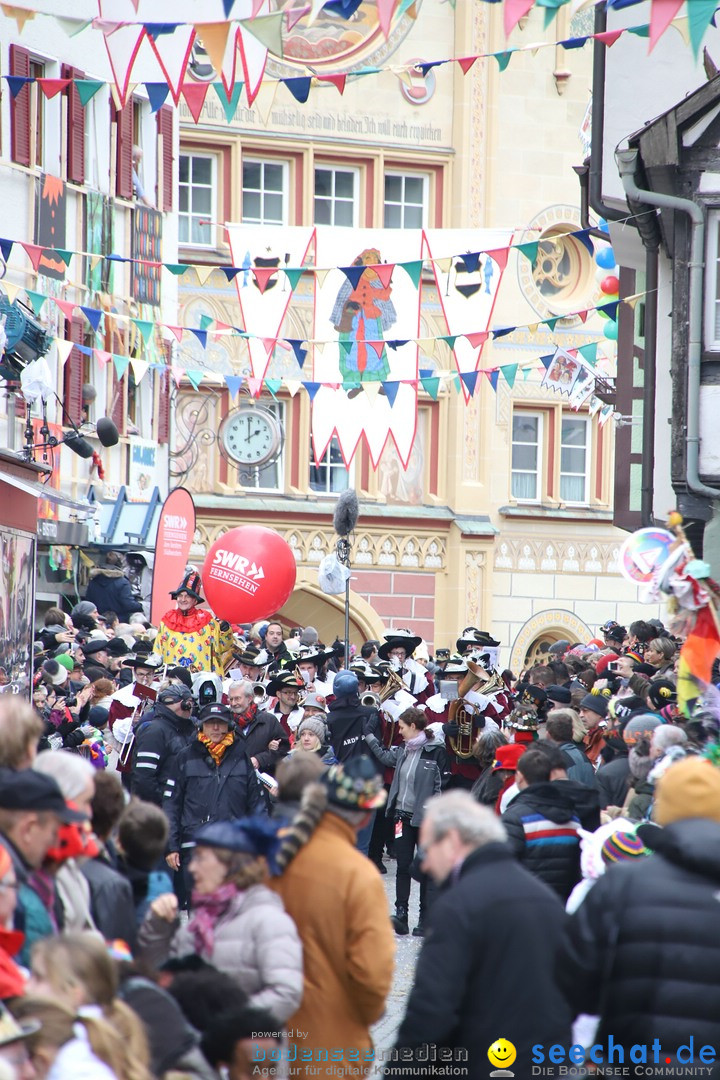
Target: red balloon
{"type": "Point", "coordinates": [610, 285]}
{"type": "Point", "coordinates": [248, 574]}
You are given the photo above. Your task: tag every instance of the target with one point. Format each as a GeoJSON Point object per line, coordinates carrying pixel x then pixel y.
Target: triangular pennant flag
{"type": "Point", "coordinates": [87, 89]}
{"type": "Point", "coordinates": [178, 373]}
{"type": "Point", "coordinates": [201, 335]}
{"type": "Point", "coordinates": [64, 349]}
{"type": "Point", "coordinates": [292, 386]}
{"type": "Point", "coordinates": [700, 14]}
{"type": "Point", "coordinates": [269, 344]}
{"type": "Point", "coordinates": [631, 301]}
{"type": "Point", "coordinates": [413, 270]}
{"type": "Point", "coordinates": [11, 290]}
{"type": "Point", "coordinates": [385, 10]}
{"type": "Point", "coordinates": [121, 364]}
{"type": "Point", "coordinates": [51, 87]}
{"type": "Point", "coordinates": [320, 276]}
{"type": "Point", "coordinates": [299, 87]}
{"type": "Point", "coordinates": [214, 37]}
{"type": "Point", "coordinates": [513, 12]}
{"type": "Point", "coordinates": [293, 275]}
{"type": "Point", "coordinates": [546, 361]}
{"type": "Point", "coordinates": [384, 271]}
{"type": "Point", "coordinates": [582, 316]}
{"type": "Point", "coordinates": [444, 265]}
{"type": "Point", "coordinates": [449, 339]}
{"type": "Point", "coordinates": [431, 386]}
{"type": "Point", "coordinates": [21, 15]}
{"type": "Point", "coordinates": [493, 378]}
{"type": "Point", "coordinates": [178, 269]}
{"type": "Point", "coordinates": [230, 272]}
{"type": "Point", "coordinates": [509, 371]}
{"type": "Point", "coordinates": [639, 31]}
{"type": "Point", "coordinates": [372, 389]}
{"type": "Point", "coordinates": [229, 102]}
{"type": "Point", "coordinates": [377, 347]}
{"type": "Point", "coordinates": [312, 389]}
{"type": "Point", "coordinates": [63, 254]}
{"type": "Point", "coordinates": [662, 13]}
{"type": "Point", "coordinates": [176, 331]}
{"type": "Point", "coordinates": [503, 331]}
{"type": "Point", "coordinates": [102, 357]}
{"type": "Point", "coordinates": [609, 309]}
{"type": "Point", "coordinates": [203, 272]}
{"type": "Point", "coordinates": [66, 306]}
{"type": "Point", "coordinates": [533, 327]}
{"type": "Point", "coordinates": [145, 327]}
{"type": "Point", "coordinates": [195, 377]}
{"type": "Point", "coordinates": [353, 274]}
{"type": "Point", "coordinates": [391, 389]}
{"type": "Point", "coordinates": [529, 250]}
{"type": "Point", "coordinates": [294, 15]}
{"type": "Point", "coordinates": [552, 323]}
{"type": "Point", "coordinates": [122, 41]}
{"type": "Point", "coordinates": [6, 247]}
{"type": "Point", "coordinates": [273, 385]}
{"type": "Point", "coordinates": [34, 254]}
{"type": "Point", "coordinates": [255, 387]}
{"type": "Point", "coordinates": [297, 348]}
{"type": "Point", "coordinates": [71, 27]}
{"type": "Point", "coordinates": [471, 261]}
{"type": "Point", "coordinates": [336, 80]}
{"type": "Point", "coordinates": [233, 383]}
{"type": "Point", "coordinates": [227, 7]}
{"type": "Point", "coordinates": [157, 93]}
{"type": "Point", "coordinates": [16, 83]}
{"type": "Point", "coordinates": [139, 368]}
{"type": "Point", "coordinates": [93, 316]}
{"type": "Point", "coordinates": [500, 256]}
{"type": "Point", "coordinates": [206, 322]}
{"type": "Point", "coordinates": [36, 299]}
{"type": "Point", "coordinates": [469, 378]}
{"type": "Point", "coordinates": [589, 352]}
{"type": "Point", "coordinates": [503, 59]}
{"type": "Point", "coordinates": [466, 62]}
{"type": "Point", "coordinates": [195, 94]}
{"type": "Point", "coordinates": [262, 275]}
{"type": "Point", "coordinates": [267, 29]}
{"type": "Point", "coordinates": [477, 339]}
{"type": "Point", "coordinates": [609, 37]}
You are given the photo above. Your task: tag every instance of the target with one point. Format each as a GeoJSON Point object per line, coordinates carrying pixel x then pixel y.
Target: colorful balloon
{"type": "Point", "coordinates": [610, 285]}
{"type": "Point", "coordinates": [605, 257]}
{"type": "Point", "coordinates": [643, 552]}
{"type": "Point", "coordinates": [610, 330]}
{"type": "Point", "coordinates": [248, 573]}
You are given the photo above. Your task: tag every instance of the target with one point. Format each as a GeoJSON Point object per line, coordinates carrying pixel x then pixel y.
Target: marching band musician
{"type": "Point", "coordinates": [189, 635]}
{"type": "Point", "coordinates": [251, 662]}
{"type": "Point", "coordinates": [310, 661]}
{"type": "Point", "coordinates": [285, 688]}
{"type": "Point", "coordinates": [127, 704]}
{"type": "Point", "coordinates": [397, 649]}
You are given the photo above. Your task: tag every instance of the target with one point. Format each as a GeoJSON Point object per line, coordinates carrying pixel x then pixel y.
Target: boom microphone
{"type": "Point", "coordinates": [107, 433]}
{"type": "Point", "coordinates": [346, 513]}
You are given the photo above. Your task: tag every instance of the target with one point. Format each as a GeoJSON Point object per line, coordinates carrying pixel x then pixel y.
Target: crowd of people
{"type": "Point", "coordinates": [195, 819]}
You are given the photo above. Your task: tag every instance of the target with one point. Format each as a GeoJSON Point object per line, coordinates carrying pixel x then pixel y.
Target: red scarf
{"type": "Point", "coordinates": [195, 620]}
{"type": "Point", "coordinates": [247, 717]}
{"type": "Point", "coordinates": [207, 910]}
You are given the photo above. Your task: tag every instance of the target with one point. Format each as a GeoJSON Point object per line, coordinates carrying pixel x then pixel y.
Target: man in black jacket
{"type": "Point", "coordinates": [110, 590]}
{"type": "Point", "coordinates": [642, 949]}
{"type": "Point", "coordinates": [158, 740]}
{"type": "Point", "coordinates": [485, 972]}
{"type": "Point", "coordinates": [543, 819]}
{"type": "Point", "coordinates": [260, 732]}
{"type": "Point", "coordinates": [348, 723]}
{"type": "Point", "coordinates": [212, 780]}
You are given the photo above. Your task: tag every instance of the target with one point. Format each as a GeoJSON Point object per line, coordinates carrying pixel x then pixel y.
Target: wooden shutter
{"type": "Point", "coordinates": [117, 413]}
{"type": "Point", "coordinates": [20, 107]}
{"type": "Point", "coordinates": [163, 413]}
{"type": "Point", "coordinates": [123, 174]}
{"type": "Point", "coordinates": [74, 370]}
{"type": "Point", "coordinates": [75, 127]}
{"type": "Point", "coordinates": [165, 129]}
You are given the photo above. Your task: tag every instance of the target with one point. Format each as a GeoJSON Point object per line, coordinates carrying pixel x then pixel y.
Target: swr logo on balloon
{"type": "Point", "coordinates": [236, 570]}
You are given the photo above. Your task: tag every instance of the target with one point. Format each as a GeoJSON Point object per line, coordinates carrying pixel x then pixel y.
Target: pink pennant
{"type": "Point", "coordinates": [500, 256]}
{"type": "Point", "coordinates": [176, 331]}
{"type": "Point", "coordinates": [476, 340]}
{"type": "Point", "coordinates": [662, 14]}
{"type": "Point", "coordinates": [608, 37]}
{"type": "Point", "coordinates": [102, 357]}
{"type": "Point", "coordinates": [466, 62]}
{"type": "Point", "coordinates": [514, 11]}
{"type": "Point", "coordinates": [255, 386]}
{"type": "Point", "coordinates": [336, 80]}
{"type": "Point", "coordinates": [66, 306]}
{"type": "Point", "coordinates": [378, 346]}
{"type": "Point", "coordinates": [178, 373]}
{"type": "Point", "coordinates": [34, 254]}
{"type": "Point", "coordinates": [222, 325]}
{"type": "Point", "coordinates": [262, 275]}
{"type": "Point", "coordinates": [195, 94]}
{"type": "Point", "coordinates": [386, 10]}
{"type": "Point", "coordinates": [384, 271]}
{"type": "Point", "coordinates": [51, 87]}
{"type": "Point", "coordinates": [269, 344]}
{"type": "Point", "coordinates": [293, 15]}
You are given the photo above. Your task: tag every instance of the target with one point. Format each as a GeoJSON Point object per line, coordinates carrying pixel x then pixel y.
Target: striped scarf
{"type": "Point", "coordinates": [216, 750]}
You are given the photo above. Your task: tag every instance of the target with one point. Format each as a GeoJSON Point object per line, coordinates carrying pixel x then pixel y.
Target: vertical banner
{"type": "Point", "coordinates": [17, 605]}
{"type": "Point", "coordinates": [367, 314]}
{"type": "Point", "coordinates": [146, 251]}
{"type": "Point", "coordinates": [262, 251]}
{"type": "Point", "coordinates": [467, 285]}
{"type": "Point", "coordinates": [172, 547]}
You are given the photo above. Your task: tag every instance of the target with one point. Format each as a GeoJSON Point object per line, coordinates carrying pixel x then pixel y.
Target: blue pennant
{"type": "Point", "coordinates": [233, 383]}
{"type": "Point", "coordinates": [227, 7]}
{"type": "Point", "coordinates": [471, 261]}
{"type": "Point", "coordinates": [396, 343]}
{"type": "Point", "coordinates": [494, 376]}
{"type": "Point", "coordinates": [201, 335]}
{"type": "Point", "coordinates": [299, 87]}
{"type": "Point", "coordinates": [6, 247]}
{"type": "Point", "coordinates": [470, 379]}
{"type": "Point", "coordinates": [610, 309]}
{"type": "Point", "coordinates": [157, 92]}
{"type": "Point", "coordinates": [312, 388]}
{"type": "Point", "coordinates": [546, 361]}
{"type": "Point", "coordinates": [93, 316]}
{"type": "Point", "coordinates": [391, 389]}
{"type": "Point", "coordinates": [353, 274]}
{"type": "Point", "coordinates": [297, 347]}
{"type": "Point", "coordinates": [230, 271]}
{"type": "Point", "coordinates": [16, 83]}
{"type": "Point", "coordinates": [502, 331]}
{"type": "Point", "coordinates": [155, 30]}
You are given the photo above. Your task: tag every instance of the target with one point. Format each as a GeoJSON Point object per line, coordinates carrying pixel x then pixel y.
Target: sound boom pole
{"type": "Point", "coordinates": [344, 521]}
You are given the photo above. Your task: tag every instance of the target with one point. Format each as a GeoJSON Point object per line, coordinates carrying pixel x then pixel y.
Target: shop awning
{"type": "Point", "coordinates": [41, 491]}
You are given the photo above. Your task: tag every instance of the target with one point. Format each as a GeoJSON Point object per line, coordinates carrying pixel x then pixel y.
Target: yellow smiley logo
{"type": "Point", "coordinates": [502, 1053]}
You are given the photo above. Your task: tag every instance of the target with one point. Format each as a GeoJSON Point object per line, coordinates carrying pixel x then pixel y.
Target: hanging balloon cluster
{"type": "Point", "coordinates": [606, 274]}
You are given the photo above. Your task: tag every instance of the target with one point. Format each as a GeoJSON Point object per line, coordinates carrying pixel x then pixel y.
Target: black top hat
{"type": "Point", "coordinates": [192, 585]}
{"type": "Point", "coordinates": [396, 638]}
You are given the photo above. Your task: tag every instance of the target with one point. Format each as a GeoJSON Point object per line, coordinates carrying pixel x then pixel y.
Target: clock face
{"type": "Point", "coordinates": [251, 436]}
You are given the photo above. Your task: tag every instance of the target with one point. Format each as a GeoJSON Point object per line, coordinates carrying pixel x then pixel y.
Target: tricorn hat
{"type": "Point", "coordinates": [192, 585]}
{"type": "Point", "coordinates": [472, 638]}
{"type": "Point", "coordinates": [396, 638]}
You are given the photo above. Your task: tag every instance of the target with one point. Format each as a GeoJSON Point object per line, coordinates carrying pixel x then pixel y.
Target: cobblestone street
{"type": "Point", "coordinates": [405, 958]}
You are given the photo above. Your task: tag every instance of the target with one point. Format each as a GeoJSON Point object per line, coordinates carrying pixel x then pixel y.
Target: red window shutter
{"type": "Point", "coordinates": [20, 107]}
{"type": "Point", "coordinates": [165, 129]}
{"type": "Point", "coordinates": [123, 175]}
{"type": "Point", "coordinates": [75, 127]}
{"type": "Point", "coordinates": [117, 405]}
{"type": "Point", "coordinates": [163, 421]}
{"type": "Point", "coordinates": [74, 371]}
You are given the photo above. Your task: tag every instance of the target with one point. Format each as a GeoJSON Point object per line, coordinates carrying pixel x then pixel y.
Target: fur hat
{"type": "Point", "coordinates": [689, 789]}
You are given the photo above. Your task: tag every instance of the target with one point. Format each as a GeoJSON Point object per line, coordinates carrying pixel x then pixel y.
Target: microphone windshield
{"type": "Point", "coordinates": [107, 433]}
{"type": "Point", "coordinates": [346, 513]}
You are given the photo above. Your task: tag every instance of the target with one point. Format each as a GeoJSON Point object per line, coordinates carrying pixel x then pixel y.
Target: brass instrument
{"type": "Point", "coordinates": [390, 689]}
{"type": "Point", "coordinates": [302, 686]}
{"type": "Point", "coordinates": [370, 700]}
{"type": "Point", "coordinates": [464, 713]}
{"type": "Point", "coordinates": [259, 693]}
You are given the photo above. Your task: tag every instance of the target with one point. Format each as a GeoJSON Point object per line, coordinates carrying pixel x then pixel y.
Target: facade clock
{"type": "Point", "coordinates": [251, 436]}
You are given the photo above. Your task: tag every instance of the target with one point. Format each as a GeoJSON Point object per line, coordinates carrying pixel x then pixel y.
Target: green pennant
{"type": "Point", "coordinates": [526, 372]}
{"type": "Point", "coordinates": [273, 385]}
{"type": "Point", "coordinates": [206, 322]}
{"type": "Point", "coordinates": [639, 31]}
{"type": "Point", "coordinates": [431, 387]}
{"type": "Point", "coordinates": [178, 269]}
{"type": "Point", "coordinates": [121, 364]}
{"type": "Point", "coordinates": [413, 271]}
{"type": "Point", "coordinates": [36, 299]}
{"type": "Point", "coordinates": [267, 29]}
{"type": "Point", "coordinates": [293, 274]}
{"type": "Point", "coordinates": [346, 346]}
{"type": "Point", "coordinates": [229, 104]}
{"type": "Point", "coordinates": [509, 371]}
{"type": "Point", "coordinates": [529, 250]}
{"type": "Point", "coordinates": [551, 323]}
{"type": "Point", "coordinates": [503, 58]}
{"type": "Point", "coordinates": [145, 327]}
{"type": "Point", "coordinates": [87, 89]}
{"type": "Point", "coordinates": [457, 384]}
{"type": "Point", "coordinates": [700, 12]}
{"type": "Point", "coordinates": [66, 256]}
{"type": "Point", "coordinates": [589, 352]}
{"type": "Point", "coordinates": [195, 377]}
{"type": "Point", "coordinates": [449, 340]}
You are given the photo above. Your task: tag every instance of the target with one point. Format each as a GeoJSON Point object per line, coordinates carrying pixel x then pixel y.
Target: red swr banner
{"type": "Point", "coordinates": [174, 538]}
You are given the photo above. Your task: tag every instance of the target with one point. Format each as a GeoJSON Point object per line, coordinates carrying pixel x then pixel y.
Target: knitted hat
{"type": "Point", "coordinates": [595, 703]}
{"type": "Point", "coordinates": [66, 661]}
{"type": "Point", "coordinates": [507, 757]}
{"type": "Point", "coordinates": [640, 727]}
{"type": "Point", "coordinates": [356, 785]}
{"type": "Point", "coordinates": [315, 724]}
{"type": "Point", "coordinates": [621, 846]}
{"type": "Point", "coordinates": [661, 693]}
{"type": "Point", "coordinates": [689, 789]}
{"type": "Point", "coordinates": [55, 672]}
{"type": "Point", "coordinates": [309, 636]}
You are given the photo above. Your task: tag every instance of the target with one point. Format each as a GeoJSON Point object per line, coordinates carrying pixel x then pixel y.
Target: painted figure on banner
{"type": "Point", "coordinates": [360, 316]}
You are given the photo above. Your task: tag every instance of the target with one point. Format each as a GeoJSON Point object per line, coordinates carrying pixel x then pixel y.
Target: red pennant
{"type": "Point", "coordinates": [514, 11]}
{"type": "Point", "coordinates": [378, 346]}
{"type": "Point", "coordinates": [34, 254]}
{"type": "Point", "coordinates": [51, 87]}
{"type": "Point", "coordinates": [476, 340]}
{"type": "Point", "coordinates": [336, 80]}
{"type": "Point", "coordinates": [500, 256]}
{"type": "Point", "coordinates": [662, 14]}
{"type": "Point", "coordinates": [195, 94]}
{"type": "Point", "coordinates": [263, 275]}
{"type": "Point", "coordinates": [582, 316]}
{"type": "Point", "coordinates": [67, 307]}
{"type": "Point", "coordinates": [608, 37]}
{"type": "Point", "coordinates": [384, 271]}
{"type": "Point", "coordinates": [466, 62]}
